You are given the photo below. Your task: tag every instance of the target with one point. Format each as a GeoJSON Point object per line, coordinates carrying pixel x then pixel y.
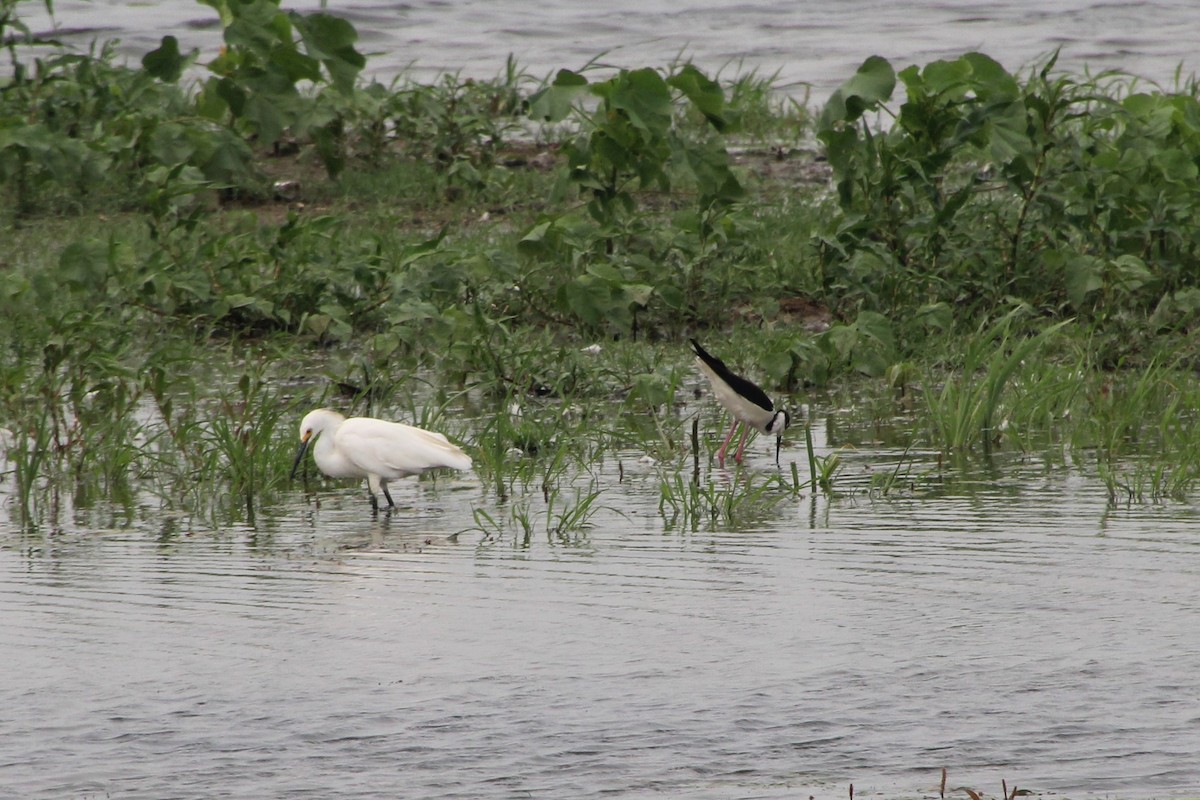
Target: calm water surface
{"type": "Point", "coordinates": [810, 44]}
{"type": "Point", "coordinates": [1015, 627]}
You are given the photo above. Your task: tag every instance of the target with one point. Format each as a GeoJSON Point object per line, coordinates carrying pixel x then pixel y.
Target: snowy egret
{"type": "Point", "coordinates": [380, 451]}
{"type": "Point", "coordinates": [744, 399]}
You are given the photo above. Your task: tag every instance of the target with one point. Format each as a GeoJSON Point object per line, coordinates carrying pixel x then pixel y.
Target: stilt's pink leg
{"type": "Point", "coordinates": [728, 439]}
{"type": "Point", "coordinates": [742, 444]}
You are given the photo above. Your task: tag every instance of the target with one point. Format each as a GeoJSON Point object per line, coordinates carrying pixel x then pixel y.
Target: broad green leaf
{"type": "Point", "coordinates": [947, 77]}
{"type": "Point", "coordinates": [607, 273]}
{"type": "Point", "coordinates": [267, 118]}
{"type": "Point", "coordinates": [639, 294]}
{"type": "Point", "coordinates": [230, 92]}
{"type": "Point", "coordinates": [704, 93]}
{"type": "Point", "coordinates": [839, 341]}
{"type": "Point", "coordinates": [1155, 114]}
{"type": "Point", "coordinates": [935, 316]}
{"type": "Point", "coordinates": [170, 144]}
{"type": "Point", "coordinates": [593, 301]}
{"type": "Point", "coordinates": [1132, 273]}
{"type": "Point", "coordinates": [1007, 132]}
{"type": "Point", "coordinates": [672, 297]}
{"type": "Point", "coordinates": [555, 102]}
{"type": "Point", "coordinates": [840, 148]}
{"type": "Point", "coordinates": [295, 65]}
{"type": "Point", "coordinates": [257, 28]}
{"type": "Point", "coordinates": [991, 80]}
{"type": "Point", "coordinates": [331, 40]}
{"type": "Point", "coordinates": [877, 326]}
{"type": "Point", "coordinates": [643, 95]}
{"type": "Point", "coordinates": [165, 62]}
{"type": "Point", "coordinates": [1176, 165]}
{"type": "Point", "coordinates": [1082, 275]}
{"type": "Point", "coordinates": [84, 265]}
{"type": "Point", "coordinates": [327, 34]}
{"type": "Point", "coordinates": [537, 234]}
{"type": "Point", "coordinates": [871, 85]}
{"type": "Point", "coordinates": [240, 300]}
{"type": "Point", "coordinates": [777, 364]}
{"type": "Point", "coordinates": [710, 167]}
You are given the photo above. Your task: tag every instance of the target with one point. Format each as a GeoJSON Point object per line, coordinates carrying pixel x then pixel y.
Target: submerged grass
{"type": "Point", "coordinates": [742, 501]}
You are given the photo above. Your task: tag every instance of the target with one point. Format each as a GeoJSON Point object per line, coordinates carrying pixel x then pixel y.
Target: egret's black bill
{"type": "Point", "coordinates": [299, 458]}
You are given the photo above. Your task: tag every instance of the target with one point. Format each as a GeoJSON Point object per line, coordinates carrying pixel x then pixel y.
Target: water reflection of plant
{"type": "Point", "coordinates": [562, 519]}
{"type": "Point", "coordinates": [686, 502]}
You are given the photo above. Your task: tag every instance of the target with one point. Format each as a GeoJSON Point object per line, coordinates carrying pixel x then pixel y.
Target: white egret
{"type": "Point", "coordinates": [744, 399]}
{"type": "Point", "coordinates": [380, 451]}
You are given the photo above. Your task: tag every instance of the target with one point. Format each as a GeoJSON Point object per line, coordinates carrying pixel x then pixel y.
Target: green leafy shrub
{"type": "Point", "coordinates": [268, 56]}
{"type": "Point", "coordinates": [1055, 191]}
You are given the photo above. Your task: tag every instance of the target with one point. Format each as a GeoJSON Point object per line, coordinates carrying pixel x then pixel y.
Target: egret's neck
{"type": "Point", "coordinates": [330, 460]}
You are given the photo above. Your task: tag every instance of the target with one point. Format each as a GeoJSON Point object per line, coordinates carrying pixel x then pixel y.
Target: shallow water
{"type": "Point", "coordinates": [1009, 625]}
{"type": "Point", "coordinates": [809, 44]}
{"type": "Point", "coordinates": [1006, 625]}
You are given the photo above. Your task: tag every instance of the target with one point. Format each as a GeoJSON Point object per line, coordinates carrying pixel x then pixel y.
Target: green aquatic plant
{"type": "Point", "coordinates": [685, 502]}
{"type": "Point", "coordinates": [1142, 433]}
{"type": "Point", "coordinates": [459, 125]}
{"type": "Point", "coordinates": [219, 447]}
{"type": "Point", "coordinates": [561, 520]}
{"type": "Point", "coordinates": [268, 55]}
{"type": "Point", "coordinates": [628, 145]}
{"type": "Point", "coordinates": [964, 408]}
{"type": "Point", "coordinates": [629, 140]}
{"type": "Point", "coordinates": [1054, 189]}
{"type": "Point", "coordinates": [531, 445]}
{"type": "Point", "coordinates": [569, 516]}
{"type": "Point", "coordinates": [27, 454]}
{"type": "Point", "coordinates": [884, 483]}
{"type": "Point", "coordinates": [765, 112]}
{"type": "Point", "coordinates": [562, 272]}
{"type": "Point", "coordinates": [82, 131]}
{"type": "Point", "coordinates": [821, 469]}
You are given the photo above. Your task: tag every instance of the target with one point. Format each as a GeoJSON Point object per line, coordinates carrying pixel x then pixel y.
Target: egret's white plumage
{"type": "Point", "coordinates": [380, 451]}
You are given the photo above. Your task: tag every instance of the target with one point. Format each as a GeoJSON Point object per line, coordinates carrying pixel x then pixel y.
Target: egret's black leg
{"type": "Point", "coordinates": [387, 494]}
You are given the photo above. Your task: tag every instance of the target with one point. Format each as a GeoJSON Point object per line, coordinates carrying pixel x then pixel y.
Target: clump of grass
{"type": "Point", "coordinates": [529, 444]}
{"type": "Point", "coordinates": [767, 113]}
{"type": "Point", "coordinates": [1143, 433]}
{"type": "Point", "coordinates": [221, 449]}
{"type": "Point", "coordinates": [965, 410]}
{"type": "Point", "coordinates": [686, 503]}
{"type": "Point", "coordinates": [561, 519]}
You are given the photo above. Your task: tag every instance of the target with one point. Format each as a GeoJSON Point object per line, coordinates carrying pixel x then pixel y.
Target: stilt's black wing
{"type": "Point", "coordinates": [746, 388]}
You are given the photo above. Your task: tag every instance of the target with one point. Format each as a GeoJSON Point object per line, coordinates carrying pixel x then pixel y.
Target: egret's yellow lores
{"type": "Point", "coordinates": [380, 451]}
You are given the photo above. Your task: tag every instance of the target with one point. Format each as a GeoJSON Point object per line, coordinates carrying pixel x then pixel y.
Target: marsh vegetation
{"type": "Point", "coordinates": [201, 247]}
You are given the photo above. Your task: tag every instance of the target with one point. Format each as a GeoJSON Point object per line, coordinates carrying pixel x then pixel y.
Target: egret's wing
{"type": "Point", "coordinates": [394, 449]}
{"type": "Point", "coordinates": [431, 448]}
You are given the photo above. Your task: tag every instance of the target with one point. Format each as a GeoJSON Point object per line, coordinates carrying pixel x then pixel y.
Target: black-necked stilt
{"type": "Point", "coordinates": [380, 451]}
{"type": "Point", "coordinates": [744, 399]}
